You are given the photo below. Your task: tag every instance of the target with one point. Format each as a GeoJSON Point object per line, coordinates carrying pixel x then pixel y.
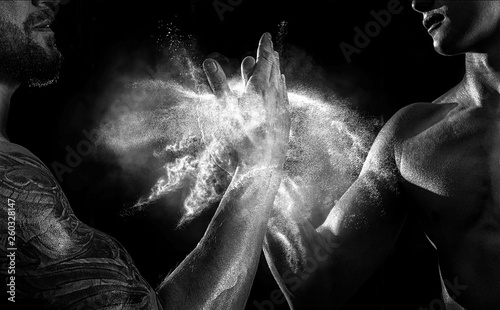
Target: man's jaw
{"type": "Point", "coordinates": [28, 55]}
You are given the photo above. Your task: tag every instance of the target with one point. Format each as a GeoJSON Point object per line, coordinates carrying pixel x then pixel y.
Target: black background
{"type": "Point", "coordinates": [97, 37]}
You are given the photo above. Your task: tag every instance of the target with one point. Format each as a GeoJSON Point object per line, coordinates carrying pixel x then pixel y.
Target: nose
{"type": "Point", "coordinates": [422, 5]}
{"type": "Point", "coordinates": [51, 4]}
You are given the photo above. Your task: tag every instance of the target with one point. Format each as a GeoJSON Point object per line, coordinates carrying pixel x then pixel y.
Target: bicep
{"type": "Point", "coordinates": [374, 197]}
{"type": "Point", "coordinates": [367, 220]}
{"type": "Point", "coordinates": [370, 209]}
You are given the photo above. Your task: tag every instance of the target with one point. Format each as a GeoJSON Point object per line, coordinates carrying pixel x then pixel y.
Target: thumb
{"type": "Point", "coordinates": [216, 78]}
{"type": "Point", "coordinates": [247, 68]}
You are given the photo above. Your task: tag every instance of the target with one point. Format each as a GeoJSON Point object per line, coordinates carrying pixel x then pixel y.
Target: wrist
{"type": "Point", "coordinates": [262, 167]}
{"type": "Point", "coordinates": [258, 174]}
{"type": "Point", "coordinates": [265, 160]}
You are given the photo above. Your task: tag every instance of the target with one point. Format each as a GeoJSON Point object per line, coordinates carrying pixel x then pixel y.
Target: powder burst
{"type": "Point", "coordinates": [328, 140]}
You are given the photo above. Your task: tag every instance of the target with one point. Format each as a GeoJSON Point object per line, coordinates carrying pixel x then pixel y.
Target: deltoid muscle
{"type": "Point", "coordinates": [62, 263]}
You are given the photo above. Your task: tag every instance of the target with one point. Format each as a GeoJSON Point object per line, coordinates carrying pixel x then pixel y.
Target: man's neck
{"type": "Point", "coordinates": [482, 78]}
{"type": "Point", "coordinates": [6, 92]}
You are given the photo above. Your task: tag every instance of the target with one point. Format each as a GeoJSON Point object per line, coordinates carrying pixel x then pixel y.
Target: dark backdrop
{"type": "Point", "coordinates": [399, 67]}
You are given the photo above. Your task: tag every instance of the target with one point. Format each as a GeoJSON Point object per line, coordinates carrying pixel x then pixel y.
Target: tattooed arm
{"type": "Point", "coordinates": [62, 263]}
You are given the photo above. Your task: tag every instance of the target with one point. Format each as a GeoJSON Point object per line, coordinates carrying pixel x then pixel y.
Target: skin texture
{"type": "Point", "coordinates": [57, 254]}
{"type": "Point", "coordinates": [28, 49]}
{"type": "Point", "coordinates": [61, 263]}
{"type": "Point", "coordinates": [440, 159]}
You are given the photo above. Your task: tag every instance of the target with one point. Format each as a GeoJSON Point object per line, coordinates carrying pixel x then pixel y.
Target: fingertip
{"type": "Point", "coordinates": [210, 66]}
{"type": "Point", "coordinates": [267, 35]}
{"type": "Point", "coordinates": [247, 68]}
{"type": "Point", "coordinates": [248, 63]}
{"type": "Point", "coordinates": [266, 38]}
{"type": "Point", "coordinates": [216, 78]}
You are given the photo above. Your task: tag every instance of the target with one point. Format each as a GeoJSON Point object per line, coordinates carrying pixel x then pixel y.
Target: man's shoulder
{"type": "Point", "coordinates": [24, 178]}
{"type": "Point", "coordinates": [18, 153]}
{"type": "Point", "coordinates": [416, 118]}
{"type": "Point", "coordinates": [19, 165]}
{"type": "Point", "coordinates": [405, 124]}
{"type": "Point", "coordinates": [61, 261]}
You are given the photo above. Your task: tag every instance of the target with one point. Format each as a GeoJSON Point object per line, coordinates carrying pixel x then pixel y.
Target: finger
{"type": "Point", "coordinates": [281, 79]}
{"type": "Point", "coordinates": [276, 70]}
{"type": "Point", "coordinates": [265, 58]}
{"type": "Point", "coordinates": [216, 78]}
{"type": "Point", "coordinates": [284, 89]}
{"type": "Point", "coordinates": [278, 60]}
{"type": "Point", "coordinates": [275, 78]}
{"type": "Point", "coordinates": [247, 68]}
{"type": "Point", "coordinates": [282, 103]}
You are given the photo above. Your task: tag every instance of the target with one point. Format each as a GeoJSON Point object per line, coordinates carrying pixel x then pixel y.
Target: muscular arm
{"type": "Point", "coordinates": [64, 264]}
{"type": "Point", "coordinates": [61, 263]}
{"type": "Point", "coordinates": [219, 272]}
{"type": "Point", "coordinates": [321, 268]}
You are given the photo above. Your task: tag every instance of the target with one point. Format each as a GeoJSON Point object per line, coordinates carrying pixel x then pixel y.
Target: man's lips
{"type": "Point", "coordinates": [43, 26]}
{"type": "Point", "coordinates": [434, 27]}
{"type": "Point", "coordinates": [433, 22]}
{"type": "Point", "coordinates": [40, 21]}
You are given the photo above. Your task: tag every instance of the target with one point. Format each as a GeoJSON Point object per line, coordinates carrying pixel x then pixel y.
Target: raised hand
{"type": "Point", "coordinates": [258, 130]}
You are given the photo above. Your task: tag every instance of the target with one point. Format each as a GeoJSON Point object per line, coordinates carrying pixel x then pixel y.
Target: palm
{"type": "Point", "coordinates": [251, 130]}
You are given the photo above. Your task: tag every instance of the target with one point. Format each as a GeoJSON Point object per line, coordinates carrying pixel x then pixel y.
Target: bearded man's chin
{"type": "Point", "coordinates": [24, 61]}
{"type": "Point", "coordinates": [44, 66]}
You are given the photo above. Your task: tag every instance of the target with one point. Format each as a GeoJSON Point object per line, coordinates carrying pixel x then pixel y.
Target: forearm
{"type": "Point", "coordinates": [302, 261]}
{"type": "Point", "coordinates": [322, 268]}
{"type": "Point", "coordinates": [218, 274]}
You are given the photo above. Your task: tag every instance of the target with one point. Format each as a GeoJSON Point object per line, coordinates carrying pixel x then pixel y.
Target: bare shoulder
{"type": "Point", "coordinates": [385, 154]}
{"type": "Point", "coordinates": [61, 263]}
{"type": "Point", "coordinates": [418, 117]}
{"type": "Point", "coordinates": [415, 118]}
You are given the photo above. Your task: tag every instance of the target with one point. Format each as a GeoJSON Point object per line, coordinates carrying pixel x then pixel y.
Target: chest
{"type": "Point", "coordinates": [452, 169]}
